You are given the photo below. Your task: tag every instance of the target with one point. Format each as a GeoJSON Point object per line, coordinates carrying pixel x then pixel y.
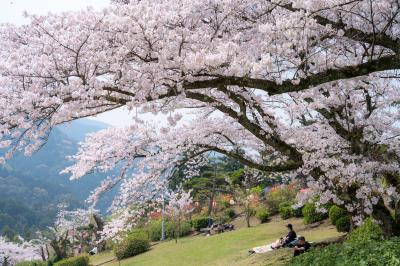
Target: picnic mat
{"type": "Point", "coordinates": [263, 249]}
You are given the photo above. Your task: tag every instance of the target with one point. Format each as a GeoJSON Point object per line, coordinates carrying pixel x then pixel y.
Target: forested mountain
{"type": "Point", "coordinates": [31, 187]}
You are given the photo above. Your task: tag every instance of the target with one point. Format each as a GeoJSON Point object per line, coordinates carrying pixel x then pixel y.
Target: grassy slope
{"type": "Point", "coordinates": [229, 248]}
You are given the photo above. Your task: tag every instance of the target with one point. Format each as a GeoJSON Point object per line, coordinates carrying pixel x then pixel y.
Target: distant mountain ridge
{"type": "Point", "coordinates": [34, 186]}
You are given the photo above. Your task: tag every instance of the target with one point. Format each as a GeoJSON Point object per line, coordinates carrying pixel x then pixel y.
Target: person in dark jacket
{"type": "Point", "coordinates": [301, 247]}
{"type": "Point", "coordinates": [284, 241]}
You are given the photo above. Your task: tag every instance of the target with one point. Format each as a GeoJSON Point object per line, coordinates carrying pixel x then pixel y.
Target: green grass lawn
{"type": "Point", "coordinates": [230, 248]}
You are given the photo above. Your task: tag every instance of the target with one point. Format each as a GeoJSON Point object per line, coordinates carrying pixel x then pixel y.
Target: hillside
{"type": "Point", "coordinates": [31, 187]}
{"type": "Point", "coordinates": [230, 248]}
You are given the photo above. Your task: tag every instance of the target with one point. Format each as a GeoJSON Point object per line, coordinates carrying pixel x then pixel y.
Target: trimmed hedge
{"type": "Point", "coordinates": [367, 231]}
{"type": "Point", "coordinates": [311, 215]}
{"type": "Point", "coordinates": [335, 212]}
{"type": "Point", "coordinates": [343, 224]}
{"type": "Point", "coordinates": [135, 243]}
{"type": "Point", "coordinates": [262, 214]}
{"type": "Point", "coordinates": [200, 222]}
{"type": "Point", "coordinates": [374, 253]}
{"type": "Point", "coordinates": [82, 260]}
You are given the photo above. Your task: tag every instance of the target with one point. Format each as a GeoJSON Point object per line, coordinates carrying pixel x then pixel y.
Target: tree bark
{"type": "Point", "coordinates": [382, 214]}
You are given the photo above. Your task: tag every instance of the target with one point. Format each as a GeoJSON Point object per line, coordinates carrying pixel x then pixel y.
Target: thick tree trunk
{"type": "Point", "coordinates": [382, 214]}
{"type": "Point", "coordinates": [397, 219]}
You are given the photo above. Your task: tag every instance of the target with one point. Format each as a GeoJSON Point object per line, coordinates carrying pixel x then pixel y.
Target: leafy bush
{"type": "Point", "coordinates": [82, 260]}
{"type": "Point", "coordinates": [382, 253]}
{"type": "Point", "coordinates": [230, 213]}
{"type": "Point", "coordinates": [225, 204]}
{"type": "Point", "coordinates": [367, 231]}
{"type": "Point", "coordinates": [285, 210]}
{"type": "Point", "coordinates": [311, 215]}
{"type": "Point", "coordinates": [335, 212]}
{"type": "Point", "coordinates": [279, 195]}
{"type": "Point", "coordinates": [32, 263]}
{"type": "Point", "coordinates": [135, 243]}
{"type": "Point", "coordinates": [199, 222]}
{"type": "Point", "coordinates": [184, 230]}
{"type": "Point", "coordinates": [256, 190]}
{"type": "Point", "coordinates": [343, 224]}
{"type": "Point", "coordinates": [262, 214]}
{"type": "Point", "coordinates": [154, 229]}
{"type": "Point", "coordinates": [297, 212]}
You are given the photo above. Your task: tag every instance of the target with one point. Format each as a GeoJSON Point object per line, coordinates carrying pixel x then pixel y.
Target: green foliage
{"type": "Point", "coordinates": [154, 229]}
{"type": "Point", "coordinates": [237, 177]}
{"type": "Point", "coordinates": [230, 213]}
{"type": "Point", "coordinates": [199, 222]}
{"type": "Point", "coordinates": [343, 224]}
{"type": "Point", "coordinates": [383, 253]}
{"type": "Point", "coordinates": [82, 260]}
{"type": "Point", "coordinates": [335, 212]}
{"type": "Point", "coordinates": [285, 210]}
{"type": "Point", "coordinates": [135, 243]}
{"type": "Point", "coordinates": [32, 263]}
{"type": "Point", "coordinates": [256, 190]}
{"type": "Point", "coordinates": [185, 229]}
{"type": "Point", "coordinates": [297, 212]}
{"type": "Point", "coordinates": [211, 178]}
{"type": "Point", "coordinates": [225, 204]}
{"type": "Point", "coordinates": [367, 231]}
{"type": "Point", "coordinates": [279, 195]}
{"type": "Point", "coordinates": [262, 214]}
{"type": "Point", "coordinates": [311, 215]}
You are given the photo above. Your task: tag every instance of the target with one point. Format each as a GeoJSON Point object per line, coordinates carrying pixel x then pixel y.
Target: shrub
{"type": "Point", "coordinates": [335, 212]}
{"type": "Point", "coordinates": [343, 224]}
{"type": "Point", "coordinates": [225, 204]}
{"type": "Point", "coordinates": [297, 212]}
{"type": "Point", "coordinates": [135, 243]}
{"type": "Point", "coordinates": [184, 230]}
{"type": "Point", "coordinates": [230, 213]}
{"type": "Point", "coordinates": [371, 252]}
{"type": "Point", "coordinates": [82, 260]}
{"type": "Point", "coordinates": [285, 210]}
{"type": "Point", "coordinates": [199, 222]}
{"type": "Point", "coordinates": [367, 231]}
{"type": "Point", "coordinates": [262, 214]}
{"type": "Point", "coordinates": [256, 190]}
{"type": "Point", "coordinates": [311, 215]}
{"type": "Point", "coordinates": [32, 263]}
{"type": "Point", "coordinates": [279, 195]}
{"type": "Point", "coordinates": [154, 229]}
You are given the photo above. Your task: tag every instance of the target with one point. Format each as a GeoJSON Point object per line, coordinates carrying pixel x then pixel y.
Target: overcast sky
{"type": "Point", "coordinates": [11, 11]}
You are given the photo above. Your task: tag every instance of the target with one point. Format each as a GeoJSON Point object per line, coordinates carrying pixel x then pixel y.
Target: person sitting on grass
{"type": "Point", "coordinates": [301, 247]}
{"type": "Point", "coordinates": [283, 242]}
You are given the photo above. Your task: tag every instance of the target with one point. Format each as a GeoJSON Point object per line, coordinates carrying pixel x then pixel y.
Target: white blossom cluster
{"type": "Point", "coordinates": [13, 253]}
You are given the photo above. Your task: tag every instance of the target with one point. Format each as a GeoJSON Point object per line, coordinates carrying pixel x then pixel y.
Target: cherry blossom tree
{"type": "Point", "coordinates": [304, 88]}
{"type": "Point", "coordinates": [65, 228]}
{"type": "Point", "coordinates": [11, 253]}
{"type": "Point", "coordinates": [179, 206]}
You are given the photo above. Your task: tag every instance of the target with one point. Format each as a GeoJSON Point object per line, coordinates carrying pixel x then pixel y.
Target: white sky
{"type": "Point", "coordinates": [11, 11]}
